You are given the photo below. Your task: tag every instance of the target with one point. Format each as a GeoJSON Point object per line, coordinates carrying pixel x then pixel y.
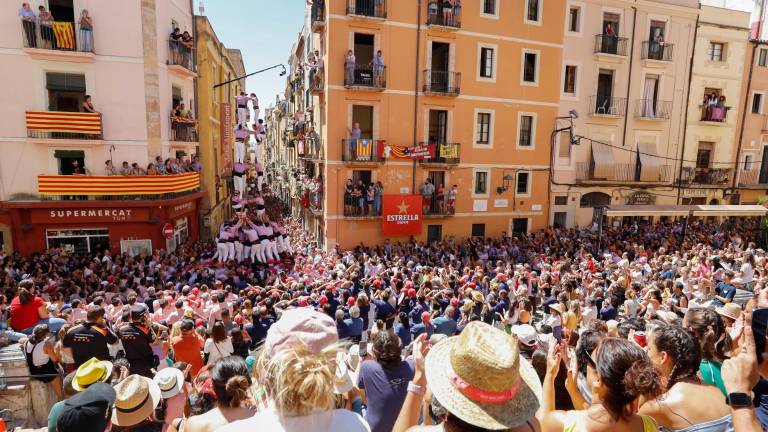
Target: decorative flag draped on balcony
{"type": "Point", "coordinates": [364, 149]}
{"type": "Point", "coordinates": [65, 36]}
{"type": "Point", "coordinates": [117, 185]}
{"type": "Point", "coordinates": [175, 119]}
{"type": "Point", "coordinates": [58, 121]}
{"type": "Point", "coordinates": [449, 151]}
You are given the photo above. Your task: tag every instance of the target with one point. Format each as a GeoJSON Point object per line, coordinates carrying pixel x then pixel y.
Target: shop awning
{"type": "Point", "coordinates": [647, 210]}
{"type": "Point", "coordinates": [650, 164]}
{"type": "Point", "coordinates": [730, 210]}
{"type": "Point", "coordinates": [605, 163]}
{"type": "Point", "coordinates": [117, 185]}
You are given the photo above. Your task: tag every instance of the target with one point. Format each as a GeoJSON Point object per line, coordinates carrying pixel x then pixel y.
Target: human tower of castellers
{"type": "Point", "coordinates": [250, 235]}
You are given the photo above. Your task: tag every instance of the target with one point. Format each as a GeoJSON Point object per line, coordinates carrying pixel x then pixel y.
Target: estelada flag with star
{"type": "Point", "coordinates": [401, 215]}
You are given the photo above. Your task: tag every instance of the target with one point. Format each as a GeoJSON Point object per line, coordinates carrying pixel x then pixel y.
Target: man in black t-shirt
{"type": "Point", "coordinates": [137, 337]}
{"type": "Point", "coordinates": [90, 339]}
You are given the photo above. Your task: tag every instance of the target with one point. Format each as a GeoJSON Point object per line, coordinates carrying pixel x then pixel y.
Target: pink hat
{"type": "Point", "coordinates": [322, 299]}
{"type": "Point", "coordinates": [411, 293]}
{"type": "Point", "coordinates": [454, 302]}
{"type": "Point", "coordinates": [302, 326]}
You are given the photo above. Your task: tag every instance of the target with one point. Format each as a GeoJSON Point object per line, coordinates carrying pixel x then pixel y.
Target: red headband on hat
{"type": "Point", "coordinates": [483, 396]}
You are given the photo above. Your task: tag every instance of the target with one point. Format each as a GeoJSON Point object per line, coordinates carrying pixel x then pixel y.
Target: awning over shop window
{"type": "Point", "coordinates": [605, 164]}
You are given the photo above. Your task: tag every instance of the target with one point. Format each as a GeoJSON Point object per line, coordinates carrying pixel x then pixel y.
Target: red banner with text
{"type": "Point", "coordinates": [227, 149]}
{"type": "Point", "coordinates": [401, 215]}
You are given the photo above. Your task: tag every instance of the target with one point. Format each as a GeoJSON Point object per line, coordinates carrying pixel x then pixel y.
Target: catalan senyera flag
{"type": "Point", "coordinates": [175, 119]}
{"type": "Point", "coordinates": [59, 121]}
{"type": "Point", "coordinates": [449, 151]}
{"type": "Point", "coordinates": [364, 149]}
{"type": "Point", "coordinates": [117, 185]}
{"type": "Point", "coordinates": [65, 36]}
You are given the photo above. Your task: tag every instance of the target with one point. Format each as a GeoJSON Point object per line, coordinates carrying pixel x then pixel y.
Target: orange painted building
{"type": "Point", "coordinates": [752, 149]}
{"type": "Point", "coordinates": [471, 80]}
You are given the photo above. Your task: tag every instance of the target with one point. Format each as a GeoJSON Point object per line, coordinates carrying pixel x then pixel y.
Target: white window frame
{"type": "Point", "coordinates": [487, 183]}
{"type": "Point", "coordinates": [762, 102]}
{"type": "Point", "coordinates": [495, 49]}
{"type": "Point", "coordinates": [580, 31]}
{"type": "Point", "coordinates": [723, 51]}
{"type": "Point", "coordinates": [748, 163]}
{"type": "Point", "coordinates": [475, 129]}
{"type": "Point", "coordinates": [535, 83]}
{"type": "Point", "coordinates": [519, 130]}
{"type": "Point", "coordinates": [540, 14]}
{"type": "Point", "coordinates": [575, 94]}
{"type": "Point", "coordinates": [529, 187]}
{"type": "Point", "coordinates": [757, 60]}
{"type": "Point", "coordinates": [495, 15]}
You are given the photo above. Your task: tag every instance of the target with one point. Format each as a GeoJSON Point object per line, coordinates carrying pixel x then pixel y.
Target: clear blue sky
{"type": "Point", "coordinates": [264, 30]}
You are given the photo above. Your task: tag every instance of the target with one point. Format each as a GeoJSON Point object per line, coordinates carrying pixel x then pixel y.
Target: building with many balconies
{"type": "Point", "coordinates": [54, 190]}
{"type": "Point", "coordinates": [464, 87]}
{"type": "Point", "coordinates": [625, 74]}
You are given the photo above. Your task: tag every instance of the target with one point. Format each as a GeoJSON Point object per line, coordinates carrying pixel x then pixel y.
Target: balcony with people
{"type": "Point", "coordinates": [442, 82]}
{"type": "Point", "coordinates": [183, 124]}
{"type": "Point", "coordinates": [161, 179]}
{"type": "Point", "coordinates": [362, 151]}
{"type": "Point", "coordinates": [714, 110]}
{"type": "Point", "coordinates": [363, 198]}
{"type": "Point", "coordinates": [436, 199]}
{"type": "Point", "coordinates": [71, 113]}
{"type": "Point", "coordinates": [360, 74]}
{"type": "Point", "coordinates": [181, 57]}
{"type": "Point", "coordinates": [657, 50]}
{"type": "Point", "coordinates": [367, 9]}
{"type": "Point", "coordinates": [445, 14]}
{"type": "Point", "coordinates": [703, 176]}
{"type": "Point", "coordinates": [317, 16]}
{"type": "Point", "coordinates": [610, 44]}
{"type": "Point", "coordinates": [66, 34]}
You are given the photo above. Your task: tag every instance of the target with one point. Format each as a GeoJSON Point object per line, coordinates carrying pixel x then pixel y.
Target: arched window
{"type": "Point", "coordinates": [594, 199]}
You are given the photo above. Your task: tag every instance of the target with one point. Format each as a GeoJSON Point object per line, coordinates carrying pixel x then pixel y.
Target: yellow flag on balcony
{"type": "Point", "coordinates": [449, 151]}
{"type": "Point", "coordinates": [65, 37]}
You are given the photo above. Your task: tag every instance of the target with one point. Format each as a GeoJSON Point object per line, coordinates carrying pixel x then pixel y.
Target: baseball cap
{"type": "Point", "coordinates": [138, 311]}
{"type": "Point", "coordinates": [303, 327]}
{"type": "Point", "coordinates": [525, 333]}
{"type": "Point", "coordinates": [88, 411]}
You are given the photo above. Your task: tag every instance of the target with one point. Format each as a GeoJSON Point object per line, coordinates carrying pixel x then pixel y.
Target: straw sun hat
{"type": "Point", "coordinates": [479, 377]}
{"type": "Point", "coordinates": [137, 397]}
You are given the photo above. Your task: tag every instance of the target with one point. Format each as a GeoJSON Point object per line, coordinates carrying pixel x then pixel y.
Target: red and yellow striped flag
{"type": "Point", "coordinates": [65, 36]}
{"type": "Point", "coordinates": [59, 121]}
{"type": "Point", "coordinates": [117, 185]}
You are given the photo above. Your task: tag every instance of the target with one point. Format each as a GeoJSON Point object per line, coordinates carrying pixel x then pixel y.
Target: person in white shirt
{"type": "Point", "coordinates": [588, 312]}
{"type": "Point", "coordinates": [219, 345]}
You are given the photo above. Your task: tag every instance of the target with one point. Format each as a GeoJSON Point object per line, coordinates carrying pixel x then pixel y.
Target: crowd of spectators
{"type": "Point", "coordinates": [515, 332]}
{"type": "Point", "coordinates": [159, 167]}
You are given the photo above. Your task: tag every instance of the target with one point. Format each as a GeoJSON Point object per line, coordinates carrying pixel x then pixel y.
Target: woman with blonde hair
{"type": "Point", "coordinates": [298, 368]}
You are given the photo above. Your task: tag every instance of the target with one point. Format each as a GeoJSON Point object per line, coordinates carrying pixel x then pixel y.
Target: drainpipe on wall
{"type": "Point", "coordinates": [629, 77]}
{"type": "Point", "coordinates": [416, 93]}
{"type": "Point", "coordinates": [687, 107]}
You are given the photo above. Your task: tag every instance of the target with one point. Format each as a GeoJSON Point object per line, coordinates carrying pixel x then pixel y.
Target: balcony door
{"type": "Point", "coordinates": [764, 167]}
{"type": "Point", "coordinates": [604, 91]}
{"type": "Point", "coordinates": [439, 75]}
{"type": "Point", "coordinates": [65, 160]}
{"type": "Point", "coordinates": [364, 58]}
{"type": "Point", "coordinates": [650, 96]}
{"type": "Point", "coordinates": [66, 92]}
{"type": "Point", "coordinates": [611, 23]}
{"type": "Point", "coordinates": [363, 114]}
{"type": "Point", "coordinates": [62, 10]}
{"type": "Point", "coordinates": [704, 155]}
{"type": "Point", "coordinates": [438, 126]}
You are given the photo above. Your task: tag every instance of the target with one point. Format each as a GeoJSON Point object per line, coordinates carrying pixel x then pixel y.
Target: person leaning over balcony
{"type": "Point", "coordinates": [175, 39]}
{"type": "Point", "coordinates": [46, 28]}
{"type": "Point", "coordinates": [136, 170]}
{"type": "Point", "coordinates": [159, 165]}
{"type": "Point", "coordinates": [349, 68]}
{"type": "Point", "coordinates": [88, 105]}
{"type": "Point", "coordinates": [125, 169]}
{"type": "Point", "coordinates": [378, 190]}
{"type": "Point", "coordinates": [451, 200]}
{"type": "Point", "coordinates": [427, 191]}
{"type": "Point", "coordinates": [447, 11]}
{"type": "Point", "coordinates": [86, 31]}
{"type": "Point", "coordinates": [28, 19]}
{"type": "Point", "coordinates": [186, 54]}
{"type": "Point", "coordinates": [378, 69]}
{"type": "Point", "coordinates": [432, 9]}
